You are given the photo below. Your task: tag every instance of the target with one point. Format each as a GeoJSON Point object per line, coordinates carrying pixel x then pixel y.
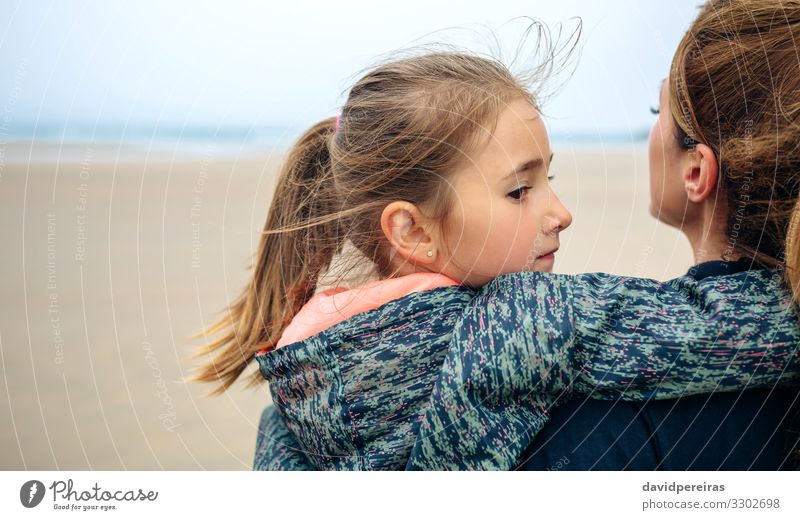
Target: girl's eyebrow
{"type": "Point", "coordinates": [531, 164]}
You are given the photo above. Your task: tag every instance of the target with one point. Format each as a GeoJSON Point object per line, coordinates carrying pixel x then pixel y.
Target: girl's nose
{"type": "Point", "coordinates": [559, 217]}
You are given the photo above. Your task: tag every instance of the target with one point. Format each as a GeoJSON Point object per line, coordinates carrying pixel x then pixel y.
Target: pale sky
{"type": "Point", "coordinates": [237, 63]}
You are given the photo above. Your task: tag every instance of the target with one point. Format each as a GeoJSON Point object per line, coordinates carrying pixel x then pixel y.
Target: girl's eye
{"type": "Point", "coordinates": [519, 193]}
{"type": "Point", "coordinates": [654, 110]}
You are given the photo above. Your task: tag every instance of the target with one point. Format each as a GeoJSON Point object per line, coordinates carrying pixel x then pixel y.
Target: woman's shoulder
{"type": "Point", "coordinates": [721, 431]}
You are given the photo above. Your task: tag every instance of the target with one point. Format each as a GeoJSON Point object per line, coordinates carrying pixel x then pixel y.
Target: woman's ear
{"type": "Point", "coordinates": [405, 227]}
{"type": "Point", "coordinates": [701, 174]}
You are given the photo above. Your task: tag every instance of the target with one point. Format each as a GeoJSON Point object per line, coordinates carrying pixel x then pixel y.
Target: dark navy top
{"type": "Point", "coordinates": [749, 430]}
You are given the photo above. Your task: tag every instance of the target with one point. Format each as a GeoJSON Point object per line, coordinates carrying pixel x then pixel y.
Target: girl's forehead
{"type": "Point", "coordinates": [520, 125]}
{"type": "Point", "coordinates": [521, 109]}
{"type": "Point", "coordinates": [517, 134]}
{"type": "Point", "coordinates": [517, 120]}
{"type": "Point", "coordinates": [519, 138]}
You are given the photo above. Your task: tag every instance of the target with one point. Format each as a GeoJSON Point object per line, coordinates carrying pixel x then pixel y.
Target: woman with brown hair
{"type": "Point", "coordinates": [725, 170]}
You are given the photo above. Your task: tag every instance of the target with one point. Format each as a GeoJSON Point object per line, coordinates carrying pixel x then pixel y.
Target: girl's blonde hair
{"type": "Point", "coordinates": [403, 130]}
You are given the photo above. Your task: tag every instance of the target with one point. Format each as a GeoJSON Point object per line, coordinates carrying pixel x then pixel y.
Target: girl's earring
{"type": "Point", "coordinates": [430, 253]}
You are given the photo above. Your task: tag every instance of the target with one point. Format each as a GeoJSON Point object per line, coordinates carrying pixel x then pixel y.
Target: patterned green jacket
{"type": "Point", "coordinates": [452, 378]}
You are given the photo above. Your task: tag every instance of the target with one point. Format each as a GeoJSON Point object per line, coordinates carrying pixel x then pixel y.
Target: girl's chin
{"type": "Point", "coordinates": [544, 263]}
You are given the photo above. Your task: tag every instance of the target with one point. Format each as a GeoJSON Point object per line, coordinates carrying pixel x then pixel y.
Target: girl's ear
{"type": "Point", "coordinates": [701, 173]}
{"type": "Point", "coordinates": [404, 226]}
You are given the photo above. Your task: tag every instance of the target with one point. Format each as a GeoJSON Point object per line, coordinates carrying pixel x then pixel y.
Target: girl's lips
{"type": "Point", "coordinates": [548, 256]}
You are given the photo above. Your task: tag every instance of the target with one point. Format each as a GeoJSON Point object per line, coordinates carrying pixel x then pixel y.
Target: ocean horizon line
{"type": "Point", "coordinates": [139, 134]}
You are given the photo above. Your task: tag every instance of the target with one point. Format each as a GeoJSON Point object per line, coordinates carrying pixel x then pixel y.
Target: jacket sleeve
{"type": "Point", "coordinates": [511, 353]}
{"type": "Point", "coordinates": [644, 339]}
{"type": "Point", "coordinates": [276, 447]}
{"type": "Point", "coordinates": [527, 341]}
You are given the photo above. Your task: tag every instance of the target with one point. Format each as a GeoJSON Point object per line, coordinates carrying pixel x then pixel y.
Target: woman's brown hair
{"type": "Point", "coordinates": [735, 86]}
{"type": "Point", "coordinates": [403, 130]}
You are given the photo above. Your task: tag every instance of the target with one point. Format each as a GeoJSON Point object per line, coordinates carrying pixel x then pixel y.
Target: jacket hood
{"type": "Point", "coordinates": [353, 394]}
{"type": "Point", "coordinates": [338, 304]}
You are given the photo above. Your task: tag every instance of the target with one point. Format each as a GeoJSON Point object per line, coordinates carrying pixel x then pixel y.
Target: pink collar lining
{"type": "Point", "coordinates": [338, 304]}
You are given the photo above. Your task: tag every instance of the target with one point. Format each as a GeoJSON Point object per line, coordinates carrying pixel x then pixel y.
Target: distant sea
{"type": "Point", "coordinates": [224, 140]}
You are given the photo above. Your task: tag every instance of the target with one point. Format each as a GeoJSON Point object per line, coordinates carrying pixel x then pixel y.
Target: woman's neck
{"type": "Point", "coordinates": [707, 235]}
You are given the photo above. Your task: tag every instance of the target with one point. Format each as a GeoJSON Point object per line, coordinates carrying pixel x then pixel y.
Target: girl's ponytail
{"type": "Point", "coordinates": [298, 242]}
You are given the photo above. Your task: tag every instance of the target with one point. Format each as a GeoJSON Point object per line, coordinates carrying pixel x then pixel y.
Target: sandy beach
{"type": "Point", "coordinates": [113, 257]}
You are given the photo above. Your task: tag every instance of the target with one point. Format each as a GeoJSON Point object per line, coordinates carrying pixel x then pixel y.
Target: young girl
{"type": "Point", "coordinates": [435, 176]}
{"type": "Point", "coordinates": [436, 169]}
